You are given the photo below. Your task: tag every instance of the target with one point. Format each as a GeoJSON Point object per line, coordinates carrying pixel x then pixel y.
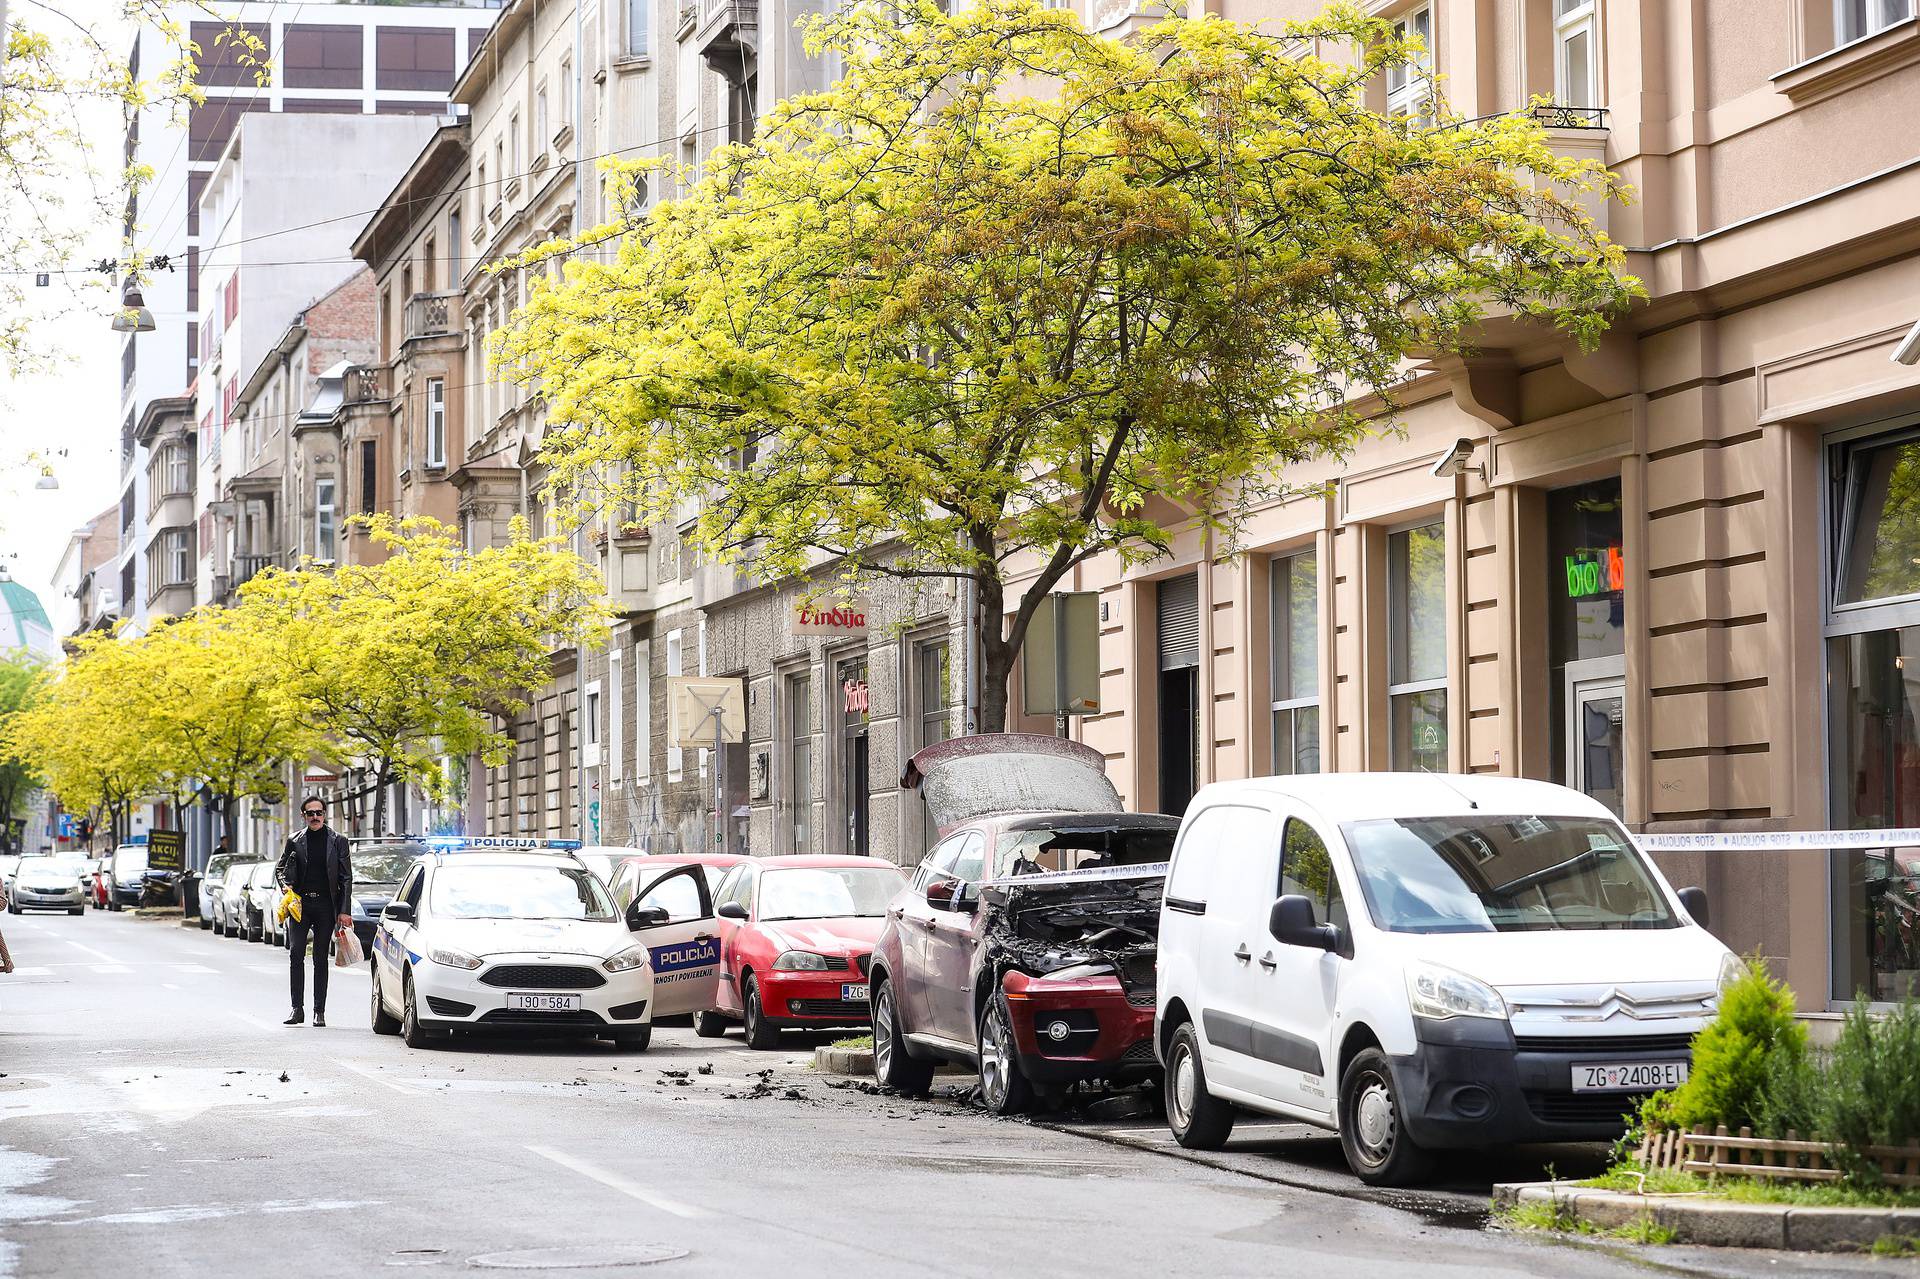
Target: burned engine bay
{"type": "Point", "coordinates": [1076, 924]}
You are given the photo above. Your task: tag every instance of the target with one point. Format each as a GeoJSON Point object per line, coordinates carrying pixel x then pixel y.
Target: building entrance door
{"type": "Point", "coordinates": [1596, 702]}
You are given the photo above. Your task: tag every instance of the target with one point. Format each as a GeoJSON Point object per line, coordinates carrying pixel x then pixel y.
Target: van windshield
{"type": "Point", "coordinates": [1503, 875]}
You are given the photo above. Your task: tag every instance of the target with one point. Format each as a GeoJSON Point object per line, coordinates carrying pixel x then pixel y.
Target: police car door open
{"type": "Point", "coordinates": [685, 950]}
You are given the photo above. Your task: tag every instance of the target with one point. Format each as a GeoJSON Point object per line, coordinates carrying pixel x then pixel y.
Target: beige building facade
{"type": "Point", "coordinates": [1673, 571]}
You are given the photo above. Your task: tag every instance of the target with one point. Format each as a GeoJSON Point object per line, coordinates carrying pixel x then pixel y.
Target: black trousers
{"type": "Point", "coordinates": [318, 918]}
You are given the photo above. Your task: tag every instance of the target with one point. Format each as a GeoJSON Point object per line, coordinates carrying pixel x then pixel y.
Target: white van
{"type": "Point", "coordinates": [1422, 962]}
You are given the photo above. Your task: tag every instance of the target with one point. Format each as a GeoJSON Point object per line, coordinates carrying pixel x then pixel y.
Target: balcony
{"type": "Point", "coordinates": [728, 35]}
{"type": "Point", "coordinates": [248, 567]}
{"type": "Point", "coordinates": [430, 315]}
{"type": "Point", "coordinates": [368, 384]}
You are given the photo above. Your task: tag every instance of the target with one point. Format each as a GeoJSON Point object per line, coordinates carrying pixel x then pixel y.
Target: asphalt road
{"type": "Point", "coordinates": [155, 1119]}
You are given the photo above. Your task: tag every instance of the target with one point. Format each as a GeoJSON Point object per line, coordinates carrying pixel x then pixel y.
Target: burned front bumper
{"type": "Point", "coordinates": [1071, 1029]}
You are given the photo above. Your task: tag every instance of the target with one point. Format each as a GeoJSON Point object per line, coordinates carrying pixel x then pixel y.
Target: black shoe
{"type": "Point", "coordinates": [298, 1017]}
{"type": "Point", "coordinates": [319, 1019]}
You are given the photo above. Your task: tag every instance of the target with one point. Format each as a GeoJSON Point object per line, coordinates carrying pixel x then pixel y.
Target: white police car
{"type": "Point", "coordinates": [518, 935]}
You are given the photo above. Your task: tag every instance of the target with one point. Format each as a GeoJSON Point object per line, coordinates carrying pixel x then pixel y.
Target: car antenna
{"type": "Point", "coordinates": [1470, 800]}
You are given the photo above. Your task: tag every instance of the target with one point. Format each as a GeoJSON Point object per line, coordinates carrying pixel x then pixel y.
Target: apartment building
{"type": "Point", "coordinates": [323, 57]}
{"type": "Point", "coordinates": [1675, 572]}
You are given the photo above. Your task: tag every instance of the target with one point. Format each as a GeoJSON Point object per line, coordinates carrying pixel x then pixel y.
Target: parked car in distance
{"type": "Point", "coordinates": [46, 883]}
{"type": "Point", "coordinates": [970, 979]}
{"type": "Point", "coordinates": [102, 877]}
{"type": "Point", "coordinates": [632, 869]}
{"type": "Point", "coordinates": [796, 934]}
{"type": "Point", "coordinates": [9, 866]}
{"type": "Point", "coordinates": [1422, 962]}
{"type": "Point", "coordinates": [126, 876]}
{"type": "Point", "coordinates": [529, 943]}
{"type": "Point", "coordinates": [378, 867]}
{"type": "Point", "coordinates": [212, 876]}
{"type": "Point", "coordinates": [230, 903]}
{"type": "Point", "coordinates": [604, 859]}
{"type": "Point", "coordinates": [257, 901]}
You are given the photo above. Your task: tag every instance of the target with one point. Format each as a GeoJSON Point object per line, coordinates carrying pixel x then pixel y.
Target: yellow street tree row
{"type": "Point", "coordinates": [395, 666]}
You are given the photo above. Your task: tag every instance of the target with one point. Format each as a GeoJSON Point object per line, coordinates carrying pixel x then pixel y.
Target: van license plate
{"type": "Point", "coordinates": [1629, 1076]}
{"type": "Point", "coordinates": [543, 1003]}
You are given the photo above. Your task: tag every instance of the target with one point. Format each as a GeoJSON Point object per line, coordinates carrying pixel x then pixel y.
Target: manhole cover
{"type": "Point", "coordinates": [585, 1257]}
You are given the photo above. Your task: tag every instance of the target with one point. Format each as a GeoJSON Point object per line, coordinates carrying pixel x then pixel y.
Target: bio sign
{"type": "Point", "coordinates": [1595, 570]}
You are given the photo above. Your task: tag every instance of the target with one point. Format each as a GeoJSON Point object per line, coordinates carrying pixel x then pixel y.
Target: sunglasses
{"type": "Point", "coordinates": [314, 812]}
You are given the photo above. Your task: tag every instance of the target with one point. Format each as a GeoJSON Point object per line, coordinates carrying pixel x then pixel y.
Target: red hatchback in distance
{"type": "Point", "coordinates": [795, 937]}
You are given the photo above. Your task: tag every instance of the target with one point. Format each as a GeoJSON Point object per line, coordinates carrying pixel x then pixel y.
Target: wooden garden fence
{"type": "Point", "coordinates": [1789, 1158]}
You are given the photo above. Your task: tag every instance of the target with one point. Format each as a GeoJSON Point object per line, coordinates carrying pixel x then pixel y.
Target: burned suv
{"type": "Point", "coordinates": [1024, 945]}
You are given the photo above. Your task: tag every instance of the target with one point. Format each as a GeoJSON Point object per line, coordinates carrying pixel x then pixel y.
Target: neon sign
{"type": "Point", "coordinates": [1595, 570]}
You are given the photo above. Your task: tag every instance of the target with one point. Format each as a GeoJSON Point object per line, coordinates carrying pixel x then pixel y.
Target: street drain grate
{"type": "Point", "coordinates": [418, 1257]}
{"type": "Point", "coordinates": [584, 1257]}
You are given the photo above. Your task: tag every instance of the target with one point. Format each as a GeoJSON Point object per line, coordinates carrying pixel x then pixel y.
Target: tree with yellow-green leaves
{"type": "Point", "coordinates": [407, 662]}
{"type": "Point", "coordinates": [1012, 295]}
{"type": "Point", "coordinates": [19, 685]}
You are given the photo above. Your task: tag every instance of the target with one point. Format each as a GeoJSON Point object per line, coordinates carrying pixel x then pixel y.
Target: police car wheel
{"type": "Point", "coordinates": [415, 1035]}
{"type": "Point", "coordinates": [384, 1022]}
{"type": "Point", "coordinates": [633, 1041]}
{"type": "Point", "coordinates": [761, 1033]}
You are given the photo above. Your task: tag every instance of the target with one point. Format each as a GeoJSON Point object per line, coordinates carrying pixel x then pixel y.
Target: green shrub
{"type": "Point", "coordinates": [1870, 1094]}
{"type": "Point", "coordinates": [1789, 1100]}
{"type": "Point", "coordinates": [1732, 1056]}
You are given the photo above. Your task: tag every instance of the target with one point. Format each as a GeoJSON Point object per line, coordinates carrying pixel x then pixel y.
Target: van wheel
{"type": "Point", "coordinates": [1198, 1119]}
{"type": "Point", "coordinates": [891, 1064]}
{"type": "Point", "coordinates": [1373, 1125]}
{"type": "Point", "coordinates": [1003, 1085]}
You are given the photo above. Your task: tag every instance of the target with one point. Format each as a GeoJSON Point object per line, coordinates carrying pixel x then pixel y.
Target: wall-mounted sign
{"type": "Point", "coordinates": [829, 618]}
{"type": "Point", "coordinates": [859, 696]}
{"type": "Point", "coordinates": [1595, 570]}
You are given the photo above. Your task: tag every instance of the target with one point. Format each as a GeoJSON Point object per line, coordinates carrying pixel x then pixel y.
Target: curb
{"type": "Point", "coordinates": [157, 912]}
{"type": "Point", "coordinates": [843, 1061]}
{"type": "Point", "coordinates": [1721, 1223]}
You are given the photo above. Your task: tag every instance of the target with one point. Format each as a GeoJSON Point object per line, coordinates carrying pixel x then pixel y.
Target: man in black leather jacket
{"type": "Point", "coordinates": [317, 865]}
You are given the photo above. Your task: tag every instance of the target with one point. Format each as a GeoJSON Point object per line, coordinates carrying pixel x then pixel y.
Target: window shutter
{"type": "Point", "coordinates": [1179, 616]}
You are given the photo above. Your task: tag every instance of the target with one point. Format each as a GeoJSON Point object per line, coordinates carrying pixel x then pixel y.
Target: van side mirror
{"type": "Point", "coordinates": [398, 912]}
{"type": "Point", "coordinates": [1694, 901]}
{"type": "Point", "coordinates": [1291, 923]}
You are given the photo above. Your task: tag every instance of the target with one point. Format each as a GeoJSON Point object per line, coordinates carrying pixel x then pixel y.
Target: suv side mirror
{"type": "Point", "coordinates": [732, 910]}
{"type": "Point", "coordinates": [1694, 900]}
{"type": "Point", "coordinates": [940, 893]}
{"type": "Point", "coordinates": [966, 899]}
{"type": "Point", "coordinates": [1291, 923]}
{"type": "Point", "coordinates": [398, 912]}
{"type": "Point", "coordinates": [639, 917]}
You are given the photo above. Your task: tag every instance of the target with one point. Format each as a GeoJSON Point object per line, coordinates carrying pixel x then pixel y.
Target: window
{"type": "Point", "coordinates": [1417, 649]}
{"type": "Point", "coordinates": [1858, 19]}
{"type": "Point", "coordinates": [325, 529]}
{"type": "Point", "coordinates": [1306, 870]}
{"type": "Point", "coordinates": [369, 477]}
{"type": "Point", "coordinates": [639, 13]}
{"type": "Point", "coordinates": [514, 164]}
{"type": "Point", "coordinates": [179, 556]}
{"type": "Point", "coordinates": [1295, 627]}
{"type": "Point", "coordinates": [935, 677]}
{"type": "Point", "coordinates": [453, 248]}
{"type": "Point", "coordinates": [563, 98]}
{"type": "Point", "coordinates": [436, 422]}
{"type": "Point", "coordinates": [542, 126]}
{"type": "Point", "coordinates": [1411, 84]}
{"type": "Point", "coordinates": [1576, 76]}
{"type": "Point", "coordinates": [616, 718]}
{"type": "Point", "coordinates": [179, 469]}
{"type": "Point", "coordinates": [676, 758]}
{"type": "Point", "coordinates": [590, 729]}
{"type": "Point", "coordinates": [643, 710]}
{"type": "Point", "coordinates": [480, 188]}
{"type": "Point", "coordinates": [799, 779]}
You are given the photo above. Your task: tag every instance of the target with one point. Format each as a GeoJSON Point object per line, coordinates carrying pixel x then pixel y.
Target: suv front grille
{"type": "Point", "coordinates": [529, 1017]}
{"type": "Point", "coordinates": [543, 977]}
{"type": "Point", "coordinates": [1605, 1045]}
{"type": "Point", "coordinates": [1141, 1051]}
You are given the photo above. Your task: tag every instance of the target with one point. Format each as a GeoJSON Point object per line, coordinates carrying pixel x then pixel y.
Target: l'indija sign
{"type": "Point", "coordinates": [829, 618]}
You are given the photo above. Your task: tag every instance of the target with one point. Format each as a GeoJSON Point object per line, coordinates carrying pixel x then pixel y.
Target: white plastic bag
{"type": "Point", "coordinates": [346, 949]}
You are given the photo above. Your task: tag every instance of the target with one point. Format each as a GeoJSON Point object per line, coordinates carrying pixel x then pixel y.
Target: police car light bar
{"type": "Point", "coordinates": [499, 843]}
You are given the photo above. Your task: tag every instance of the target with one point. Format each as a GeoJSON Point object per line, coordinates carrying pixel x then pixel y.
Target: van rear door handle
{"type": "Point", "coordinates": [1267, 962]}
{"type": "Point", "coordinates": [1243, 954]}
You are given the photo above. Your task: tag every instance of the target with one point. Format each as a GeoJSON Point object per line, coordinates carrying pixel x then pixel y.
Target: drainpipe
{"type": "Point", "coordinates": [579, 649]}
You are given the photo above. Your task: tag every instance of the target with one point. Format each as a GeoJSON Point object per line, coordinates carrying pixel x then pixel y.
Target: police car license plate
{"type": "Point", "coordinates": [1629, 1076]}
{"type": "Point", "coordinates": [543, 1003]}
{"type": "Point", "coordinates": [857, 994]}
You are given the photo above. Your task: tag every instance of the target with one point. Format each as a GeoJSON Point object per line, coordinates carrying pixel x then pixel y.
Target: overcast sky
{"type": "Point", "coordinates": [75, 408]}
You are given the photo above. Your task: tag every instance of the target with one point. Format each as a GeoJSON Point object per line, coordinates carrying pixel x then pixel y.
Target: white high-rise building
{"type": "Point", "coordinates": [324, 58]}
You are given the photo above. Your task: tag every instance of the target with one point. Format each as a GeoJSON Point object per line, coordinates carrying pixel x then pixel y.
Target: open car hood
{"type": "Point", "coordinates": [993, 773]}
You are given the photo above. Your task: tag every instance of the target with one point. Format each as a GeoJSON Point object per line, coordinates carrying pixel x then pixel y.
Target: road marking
{"type": "Point", "coordinates": [614, 1181]}
{"type": "Point", "coordinates": [110, 970]}
{"type": "Point", "coordinates": [167, 985]}
{"type": "Point", "coordinates": [21, 970]}
{"type": "Point", "coordinates": [193, 968]}
{"type": "Point", "coordinates": [380, 1079]}
{"type": "Point", "coordinates": [88, 950]}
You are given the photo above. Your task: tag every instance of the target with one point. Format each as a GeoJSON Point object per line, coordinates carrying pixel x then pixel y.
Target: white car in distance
{"type": "Point", "coordinates": [531, 943]}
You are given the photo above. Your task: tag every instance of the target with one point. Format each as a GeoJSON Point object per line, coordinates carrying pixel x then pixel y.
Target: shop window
{"type": "Point", "coordinates": [1576, 61]}
{"type": "Point", "coordinates": [1417, 649]}
{"type": "Point", "coordinates": [1295, 628]}
{"type": "Point", "coordinates": [1410, 85]}
{"type": "Point", "coordinates": [856, 709]}
{"type": "Point", "coordinates": [1586, 639]}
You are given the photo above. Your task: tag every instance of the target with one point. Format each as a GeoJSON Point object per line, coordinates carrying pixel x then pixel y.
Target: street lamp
{"type": "Point", "coordinates": [133, 316]}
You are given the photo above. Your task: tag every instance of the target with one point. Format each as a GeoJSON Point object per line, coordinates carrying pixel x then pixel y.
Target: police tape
{"type": "Point", "coordinates": [1146, 870]}
{"type": "Point", "coordinates": [1772, 841]}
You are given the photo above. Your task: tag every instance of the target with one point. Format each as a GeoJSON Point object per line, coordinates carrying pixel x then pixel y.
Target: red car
{"type": "Point", "coordinates": [795, 937]}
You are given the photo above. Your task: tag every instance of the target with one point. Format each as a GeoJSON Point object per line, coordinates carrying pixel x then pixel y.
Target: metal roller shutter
{"type": "Point", "coordinates": [1179, 612]}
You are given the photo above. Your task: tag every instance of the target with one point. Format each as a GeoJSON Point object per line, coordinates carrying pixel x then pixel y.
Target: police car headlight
{"type": "Point", "coordinates": [453, 958]}
{"type": "Point", "coordinates": [626, 961]}
{"type": "Point", "coordinates": [800, 960]}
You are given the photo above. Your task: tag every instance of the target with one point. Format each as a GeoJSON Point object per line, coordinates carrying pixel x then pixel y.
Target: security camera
{"type": "Point", "coordinates": [1908, 352]}
{"type": "Point", "coordinates": [1457, 461]}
